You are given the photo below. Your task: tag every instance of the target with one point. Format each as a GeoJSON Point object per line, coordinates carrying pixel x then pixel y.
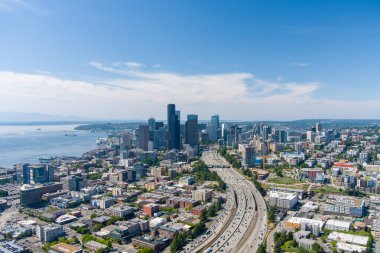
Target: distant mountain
{"type": "Point", "coordinates": [16, 117]}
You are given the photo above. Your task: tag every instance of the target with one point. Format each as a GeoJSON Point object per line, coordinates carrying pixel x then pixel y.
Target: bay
{"type": "Point", "coordinates": [25, 143]}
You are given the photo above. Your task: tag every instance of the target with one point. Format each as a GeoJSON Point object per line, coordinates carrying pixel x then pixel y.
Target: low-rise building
{"type": "Point", "coordinates": [282, 200]}
{"type": "Point", "coordinates": [49, 233]}
{"type": "Point", "coordinates": [338, 225]}
{"type": "Point", "coordinates": [93, 246]}
{"type": "Point", "coordinates": [345, 206]}
{"type": "Point", "coordinates": [202, 195]}
{"type": "Point", "coordinates": [64, 248]}
{"type": "Point", "coordinates": [121, 211]}
{"type": "Point", "coordinates": [348, 238]}
{"type": "Point", "coordinates": [305, 224]}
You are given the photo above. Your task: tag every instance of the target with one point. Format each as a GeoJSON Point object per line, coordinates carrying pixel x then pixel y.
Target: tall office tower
{"type": "Point", "coordinates": [318, 127]}
{"type": "Point", "coordinates": [37, 174]}
{"type": "Point", "coordinates": [151, 123]}
{"type": "Point", "coordinates": [283, 136]}
{"type": "Point", "coordinates": [126, 138]}
{"type": "Point", "coordinates": [215, 128]}
{"type": "Point", "coordinates": [173, 128]}
{"type": "Point", "coordinates": [24, 169]}
{"type": "Point", "coordinates": [143, 137]}
{"type": "Point", "coordinates": [158, 125]}
{"type": "Point", "coordinates": [159, 138]}
{"type": "Point", "coordinates": [266, 131]}
{"type": "Point", "coordinates": [191, 130]}
{"type": "Point", "coordinates": [76, 183]}
{"type": "Point", "coordinates": [49, 173]}
{"type": "Point", "coordinates": [223, 132]}
{"type": "Point", "coordinates": [276, 135]}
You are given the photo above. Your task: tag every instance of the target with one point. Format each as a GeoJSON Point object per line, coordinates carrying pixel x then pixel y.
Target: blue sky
{"type": "Point", "coordinates": [241, 59]}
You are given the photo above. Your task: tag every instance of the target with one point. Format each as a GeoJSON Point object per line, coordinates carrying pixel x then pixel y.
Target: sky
{"type": "Point", "coordinates": [243, 60]}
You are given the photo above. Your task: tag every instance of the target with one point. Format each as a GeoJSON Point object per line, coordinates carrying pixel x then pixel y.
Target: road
{"type": "Point", "coordinates": [244, 220]}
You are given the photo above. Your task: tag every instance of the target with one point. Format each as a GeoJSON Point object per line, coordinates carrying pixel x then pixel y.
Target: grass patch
{"type": "Point", "coordinates": [288, 248]}
{"type": "Point", "coordinates": [284, 180]}
{"type": "Point", "coordinates": [329, 189]}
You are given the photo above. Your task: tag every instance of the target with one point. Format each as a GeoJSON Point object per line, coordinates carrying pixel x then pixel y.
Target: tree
{"type": "Point", "coordinates": [203, 216]}
{"type": "Point", "coordinates": [261, 249]}
{"type": "Point", "coordinates": [145, 250]}
{"type": "Point", "coordinates": [317, 248]}
{"type": "Point", "coordinates": [272, 212]}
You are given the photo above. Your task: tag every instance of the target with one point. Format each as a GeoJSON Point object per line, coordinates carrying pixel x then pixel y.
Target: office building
{"type": "Point", "coordinates": [283, 136]}
{"type": "Point", "coordinates": [173, 140]}
{"type": "Point", "coordinates": [282, 200]}
{"type": "Point", "coordinates": [142, 135]}
{"type": "Point", "coordinates": [76, 183]}
{"type": "Point", "coordinates": [214, 136]}
{"type": "Point", "coordinates": [201, 195]}
{"type": "Point", "coordinates": [345, 206]}
{"type": "Point", "coordinates": [191, 130]}
{"type": "Point", "coordinates": [32, 194]}
{"type": "Point", "coordinates": [151, 123]}
{"type": "Point", "coordinates": [318, 127]}
{"type": "Point", "coordinates": [49, 233]}
{"type": "Point", "coordinates": [121, 210]}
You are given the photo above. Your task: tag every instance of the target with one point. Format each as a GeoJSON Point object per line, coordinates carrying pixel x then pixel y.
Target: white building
{"type": "Point", "coordinates": [338, 225]}
{"type": "Point", "coordinates": [121, 210]}
{"type": "Point", "coordinates": [348, 248]}
{"type": "Point", "coordinates": [49, 233]}
{"type": "Point", "coordinates": [282, 200]}
{"type": "Point", "coordinates": [348, 238]}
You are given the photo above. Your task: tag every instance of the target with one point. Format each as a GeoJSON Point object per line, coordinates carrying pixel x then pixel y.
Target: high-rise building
{"type": "Point", "coordinates": [173, 128]}
{"type": "Point", "coordinates": [24, 169]}
{"type": "Point", "coordinates": [76, 183]}
{"type": "Point", "coordinates": [37, 173]}
{"type": "Point", "coordinates": [159, 138]}
{"type": "Point", "coordinates": [318, 127]}
{"type": "Point", "coordinates": [143, 137]}
{"type": "Point", "coordinates": [223, 132]}
{"type": "Point", "coordinates": [283, 136]}
{"type": "Point", "coordinates": [151, 123]}
{"type": "Point", "coordinates": [126, 138]}
{"type": "Point", "coordinates": [191, 130]}
{"type": "Point", "coordinates": [266, 131]}
{"type": "Point", "coordinates": [215, 128]}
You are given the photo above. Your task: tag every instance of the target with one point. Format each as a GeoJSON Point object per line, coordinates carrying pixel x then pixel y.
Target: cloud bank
{"type": "Point", "coordinates": [137, 91]}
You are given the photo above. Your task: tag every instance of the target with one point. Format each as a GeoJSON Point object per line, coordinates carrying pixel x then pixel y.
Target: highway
{"type": "Point", "coordinates": [243, 223]}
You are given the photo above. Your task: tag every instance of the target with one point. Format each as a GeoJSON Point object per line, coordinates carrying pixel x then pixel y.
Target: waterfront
{"type": "Point", "coordinates": [25, 143]}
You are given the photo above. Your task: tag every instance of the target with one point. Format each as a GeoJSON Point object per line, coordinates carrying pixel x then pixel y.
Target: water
{"type": "Point", "coordinates": [21, 144]}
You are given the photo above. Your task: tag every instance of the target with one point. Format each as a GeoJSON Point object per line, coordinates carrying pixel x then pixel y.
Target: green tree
{"type": "Point", "coordinates": [261, 249]}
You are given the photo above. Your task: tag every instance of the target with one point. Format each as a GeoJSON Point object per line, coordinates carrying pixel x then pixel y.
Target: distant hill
{"type": "Point", "coordinates": [18, 117]}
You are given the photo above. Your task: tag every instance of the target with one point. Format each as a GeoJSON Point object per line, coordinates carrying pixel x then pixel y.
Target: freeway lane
{"type": "Point", "coordinates": [247, 226]}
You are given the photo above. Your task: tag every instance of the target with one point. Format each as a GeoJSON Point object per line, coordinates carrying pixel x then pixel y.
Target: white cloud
{"type": "Point", "coordinates": [137, 94]}
{"type": "Point", "coordinates": [300, 64]}
{"type": "Point", "coordinates": [12, 5]}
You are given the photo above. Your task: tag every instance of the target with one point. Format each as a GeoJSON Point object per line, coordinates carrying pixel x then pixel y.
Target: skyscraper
{"type": "Point", "coordinates": [283, 136]}
{"type": "Point", "coordinates": [266, 131]}
{"type": "Point", "coordinates": [143, 137]}
{"type": "Point", "coordinates": [173, 128]}
{"type": "Point", "coordinates": [215, 128]}
{"type": "Point", "coordinates": [151, 123]}
{"type": "Point", "coordinates": [318, 127]}
{"type": "Point", "coordinates": [191, 130]}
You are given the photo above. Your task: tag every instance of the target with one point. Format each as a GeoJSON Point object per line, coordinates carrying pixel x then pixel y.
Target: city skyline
{"type": "Point", "coordinates": [273, 60]}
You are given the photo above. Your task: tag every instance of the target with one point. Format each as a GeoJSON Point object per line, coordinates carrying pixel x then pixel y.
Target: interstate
{"type": "Point", "coordinates": [242, 224]}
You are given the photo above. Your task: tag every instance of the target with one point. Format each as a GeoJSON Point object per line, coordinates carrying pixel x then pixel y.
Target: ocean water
{"type": "Point", "coordinates": [21, 144]}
